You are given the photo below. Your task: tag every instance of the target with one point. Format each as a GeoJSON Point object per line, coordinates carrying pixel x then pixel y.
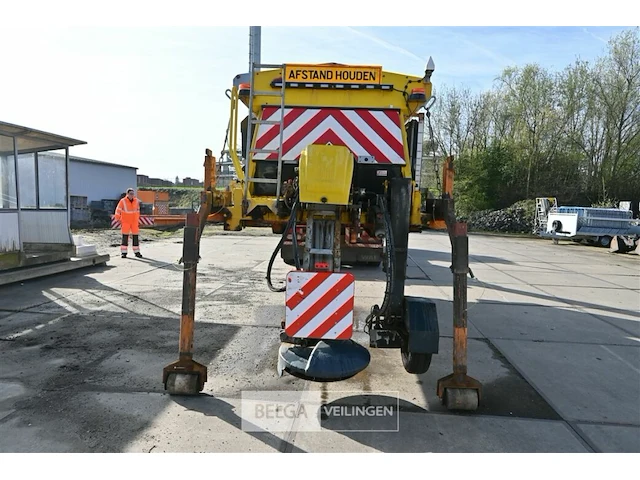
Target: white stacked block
{"type": "Point", "coordinates": [85, 250]}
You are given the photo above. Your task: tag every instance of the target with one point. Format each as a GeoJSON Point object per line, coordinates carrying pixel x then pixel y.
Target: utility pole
{"type": "Point", "coordinates": [254, 47]}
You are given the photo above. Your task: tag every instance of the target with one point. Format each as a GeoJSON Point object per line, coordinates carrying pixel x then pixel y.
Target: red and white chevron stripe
{"type": "Point", "coordinates": [376, 133]}
{"type": "Point", "coordinates": [319, 305]}
{"type": "Point", "coordinates": [144, 220]}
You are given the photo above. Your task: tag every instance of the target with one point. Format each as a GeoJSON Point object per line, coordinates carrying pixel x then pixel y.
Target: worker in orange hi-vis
{"type": "Point", "coordinates": [128, 214]}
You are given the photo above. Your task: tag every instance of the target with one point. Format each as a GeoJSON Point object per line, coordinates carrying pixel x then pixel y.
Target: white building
{"type": "Point", "coordinates": [97, 180]}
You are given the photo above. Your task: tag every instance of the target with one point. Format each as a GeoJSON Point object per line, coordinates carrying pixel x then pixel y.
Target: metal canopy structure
{"type": "Point", "coordinates": [30, 140]}
{"type": "Point", "coordinates": [34, 197]}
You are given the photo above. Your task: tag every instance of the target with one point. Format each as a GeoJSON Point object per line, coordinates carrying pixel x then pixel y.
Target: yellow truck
{"type": "Point", "coordinates": [373, 113]}
{"type": "Point", "coordinates": [329, 157]}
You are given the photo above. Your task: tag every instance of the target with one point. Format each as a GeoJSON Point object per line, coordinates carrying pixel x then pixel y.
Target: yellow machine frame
{"type": "Point", "coordinates": [396, 97]}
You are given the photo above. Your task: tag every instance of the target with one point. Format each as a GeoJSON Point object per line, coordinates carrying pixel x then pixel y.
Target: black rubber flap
{"type": "Point", "coordinates": [327, 361]}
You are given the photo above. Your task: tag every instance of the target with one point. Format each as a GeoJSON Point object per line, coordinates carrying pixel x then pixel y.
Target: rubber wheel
{"type": "Point", "coordinates": [417, 363]}
{"type": "Point", "coordinates": [460, 399]}
{"type": "Point", "coordinates": [182, 384]}
{"type": "Point", "coordinates": [604, 241]}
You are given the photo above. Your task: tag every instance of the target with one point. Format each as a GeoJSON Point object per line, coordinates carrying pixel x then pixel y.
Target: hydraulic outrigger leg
{"type": "Point", "coordinates": [459, 391]}
{"type": "Point", "coordinates": [186, 376]}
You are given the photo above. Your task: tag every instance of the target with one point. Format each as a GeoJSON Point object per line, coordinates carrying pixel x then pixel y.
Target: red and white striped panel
{"type": "Point", "coordinates": [374, 133]}
{"type": "Point", "coordinates": [319, 305]}
{"type": "Point", "coordinates": [144, 220]}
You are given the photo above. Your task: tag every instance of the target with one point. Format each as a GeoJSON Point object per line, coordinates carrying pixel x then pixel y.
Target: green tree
{"type": "Point", "coordinates": [574, 134]}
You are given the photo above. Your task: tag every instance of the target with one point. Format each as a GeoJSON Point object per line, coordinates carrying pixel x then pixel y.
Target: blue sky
{"type": "Point", "coordinates": [153, 97]}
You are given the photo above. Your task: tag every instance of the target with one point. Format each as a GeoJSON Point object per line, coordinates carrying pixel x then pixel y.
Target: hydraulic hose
{"type": "Point", "coordinates": [377, 312]}
{"type": "Point", "coordinates": [290, 223]}
{"type": "Point", "coordinates": [390, 256]}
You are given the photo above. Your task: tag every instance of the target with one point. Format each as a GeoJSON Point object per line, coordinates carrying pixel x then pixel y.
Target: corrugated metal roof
{"type": "Point", "coordinates": [89, 160]}
{"type": "Point", "coordinates": [73, 158]}
{"type": "Point", "coordinates": [30, 139]}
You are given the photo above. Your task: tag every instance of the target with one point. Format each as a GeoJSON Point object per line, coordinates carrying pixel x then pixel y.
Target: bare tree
{"type": "Point", "coordinates": [617, 81]}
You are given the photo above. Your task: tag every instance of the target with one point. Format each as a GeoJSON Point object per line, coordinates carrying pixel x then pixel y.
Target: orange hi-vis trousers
{"type": "Point", "coordinates": [128, 213]}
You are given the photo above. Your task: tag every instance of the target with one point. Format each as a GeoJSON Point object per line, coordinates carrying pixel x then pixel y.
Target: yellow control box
{"type": "Point", "coordinates": [325, 174]}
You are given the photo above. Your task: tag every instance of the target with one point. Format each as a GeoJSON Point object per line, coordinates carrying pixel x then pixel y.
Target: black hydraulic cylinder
{"type": "Point", "coordinates": [400, 212]}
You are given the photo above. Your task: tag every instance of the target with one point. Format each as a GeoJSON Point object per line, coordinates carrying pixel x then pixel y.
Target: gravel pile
{"type": "Point", "coordinates": [517, 218]}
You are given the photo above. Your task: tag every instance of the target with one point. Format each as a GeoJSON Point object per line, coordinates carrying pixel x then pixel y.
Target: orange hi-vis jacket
{"type": "Point", "coordinates": [128, 214]}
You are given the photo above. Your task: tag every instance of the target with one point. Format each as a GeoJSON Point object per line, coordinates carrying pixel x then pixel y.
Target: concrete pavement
{"type": "Point", "coordinates": [553, 338]}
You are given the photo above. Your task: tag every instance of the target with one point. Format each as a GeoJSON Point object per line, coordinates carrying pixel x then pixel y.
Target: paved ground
{"type": "Point", "coordinates": [554, 339]}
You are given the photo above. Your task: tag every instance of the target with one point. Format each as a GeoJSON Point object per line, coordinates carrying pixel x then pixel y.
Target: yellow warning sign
{"type": "Point", "coordinates": [333, 74]}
